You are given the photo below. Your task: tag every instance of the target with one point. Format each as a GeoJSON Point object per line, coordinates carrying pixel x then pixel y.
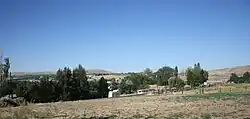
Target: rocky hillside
{"type": "Point", "coordinates": [224, 74]}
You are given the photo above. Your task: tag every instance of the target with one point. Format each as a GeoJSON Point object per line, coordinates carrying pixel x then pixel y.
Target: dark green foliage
{"type": "Point", "coordinates": [203, 77]}
{"type": "Point", "coordinates": [114, 85]}
{"type": "Point", "coordinates": [243, 79]}
{"type": "Point", "coordinates": [206, 116]}
{"type": "Point", "coordinates": [103, 88]}
{"type": "Point", "coordinates": [134, 82]}
{"type": "Point", "coordinates": [163, 74]}
{"type": "Point", "coordinates": [234, 78]}
{"type": "Point", "coordinates": [196, 76]}
{"type": "Point", "coordinates": [126, 86]}
{"type": "Point", "coordinates": [176, 71]}
{"type": "Point", "coordinates": [179, 84]}
{"type": "Point", "coordinates": [246, 77]}
{"type": "Point", "coordinates": [67, 85]}
{"type": "Point", "coordinates": [175, 81]}
{"type": "Point", "coordinates": [93, 88]}
{"type": "Point", "coordinates": [6, 87]}
{"type": "Point", "coordinates": [6, 68]}
{"type": "Point", "coordinates": [190, 76]}
{"type": "Point", "coordinates": [80, 84]}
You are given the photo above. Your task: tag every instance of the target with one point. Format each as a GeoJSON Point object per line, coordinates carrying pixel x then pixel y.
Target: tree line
{"type": "Point", "coordinates": [68, 85]}
{"type": "Point", "coordinates": [165, 76]}
{"type": "Point", "coordinates": [245, 78]}
{"type": "Point", "coordinates": [73, 84]}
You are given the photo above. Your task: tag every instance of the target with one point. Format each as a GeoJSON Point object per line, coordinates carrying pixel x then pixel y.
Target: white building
{"type": "Point", "coordinates": [145, 91]}
{"type": "Point", "coordinates": [114, 93]}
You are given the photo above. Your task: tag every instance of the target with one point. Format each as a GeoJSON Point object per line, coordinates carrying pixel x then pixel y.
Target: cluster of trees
{"type": "Point", "coordinates": [4, 75]}
{"type": "Point", "coordinates": [4, 69]}
{"type": "Point", "coordinates": [33, 76]}
{"type": "Point", "coordinates": [165, 76]}
{"type": "Point", "coordinates": [240, 79]}
{"type": "Point", "coordinates": [66, 86]}
{"type": "Point", "coordinates": [69, 84]}
{"type": "Point", "coordinates": [196, 76]}
{"type": "Point", "coordinates": [134, 82]}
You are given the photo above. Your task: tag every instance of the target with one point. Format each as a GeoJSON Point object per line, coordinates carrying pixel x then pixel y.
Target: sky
{"type": "Point", "coordinates": [124, 35]}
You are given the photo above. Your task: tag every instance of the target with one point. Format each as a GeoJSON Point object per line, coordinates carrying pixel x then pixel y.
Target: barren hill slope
{"type": "Point", "coordinates": [89, 71]}
{"type": "Point", "coordinates": [224, 74]}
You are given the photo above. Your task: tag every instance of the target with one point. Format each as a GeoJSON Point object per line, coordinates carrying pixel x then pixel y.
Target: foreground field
{"type": "Point", "coordinates": [217, 105]}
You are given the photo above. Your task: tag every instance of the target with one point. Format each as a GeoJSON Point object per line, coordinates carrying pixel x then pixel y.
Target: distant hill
{"type": "Point", "coordinates": [214, 75]}
{"type": "Point", "coordinates": [90, 71]}
{"type": "Point", "coordinates": [224, 74]}
{"type": "Point", "coordinates": [31, 73]}
{"type": "Point", "coordinates": [97, 71]}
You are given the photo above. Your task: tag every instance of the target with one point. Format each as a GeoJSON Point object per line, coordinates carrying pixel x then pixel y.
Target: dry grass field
{"type": "Point", "coordinates": [215, 105]}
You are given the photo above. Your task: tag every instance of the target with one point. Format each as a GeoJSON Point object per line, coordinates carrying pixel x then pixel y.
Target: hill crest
{"type": "Point", "coordinates": [214, 75]}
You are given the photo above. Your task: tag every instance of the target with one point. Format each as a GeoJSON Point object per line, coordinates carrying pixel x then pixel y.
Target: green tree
{"type": "Point", "coordinates": [93, 89]}
{"type": "Point", "coordinates": [114, 85]}
{"type": "Point", "coordinates": [246, 77]}
{"type": "Point", "coordinates": [234, 78]}
{"type": "Point", "coordinates": [59, 74]}
{"type": "Point", "coordinates": [6, 86]}
{"type": "Point", "coordinates": [81, 83]}
{"type": "Point", "coordinates": [125, 87]}
{"type": "Point", "coordinates": [6, 67]}
{"type": "Point", "coordinates": [148, 72]}
{"type": "Point", "coordinates": [163, 74]}
{"type": "Point", "coordinates": [203, 77]}
{"type": "Point", "coordinates": [60, 83]}
{"type": "Point", "coordinates": [24, 89]}
{"type": "Point", "coordinates": [176, 71]}
{"type": "Point", "coordinates": [177, 83]}
{"type": "Point", "coordinates": [103, 88]}
{"type": "Point", "coordinates": [45, 90]}
{"type": "Point", "coordinates": [66, 84]}
{"type": "Point", "coordinates": [134, 82]}
{"type": "Point", "coordinates": [196, 76]}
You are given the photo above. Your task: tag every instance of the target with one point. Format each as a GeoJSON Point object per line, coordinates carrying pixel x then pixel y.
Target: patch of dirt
{"type": "Point", "coordinates": [141, 106]}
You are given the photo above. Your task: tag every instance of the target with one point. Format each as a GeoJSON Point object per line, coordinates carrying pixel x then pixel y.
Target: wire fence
{"type": "Point", "coordinates": [227, 88]}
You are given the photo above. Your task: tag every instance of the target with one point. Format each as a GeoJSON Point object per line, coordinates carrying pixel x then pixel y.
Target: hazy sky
{"type": "Point", "coordinates": [124, 35]}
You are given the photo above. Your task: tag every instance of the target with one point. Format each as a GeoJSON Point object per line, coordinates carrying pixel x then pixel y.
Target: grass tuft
{"type": "Point", "coordinates": [206, 116]}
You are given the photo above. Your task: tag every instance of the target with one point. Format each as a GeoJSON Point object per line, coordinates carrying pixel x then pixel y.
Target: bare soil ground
{"type": "Point", "coordinates": [218, 105]}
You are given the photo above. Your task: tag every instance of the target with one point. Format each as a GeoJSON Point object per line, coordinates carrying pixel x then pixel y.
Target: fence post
{"type": "Point", "coordinates": [246, 88]}
{"type": "Point", "coordinates": [220, 89]}
{"type": "Point", "coordinates": [230, 89]}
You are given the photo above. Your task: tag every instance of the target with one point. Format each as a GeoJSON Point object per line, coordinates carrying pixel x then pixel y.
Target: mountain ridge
{"type": "Point", "coordinates": [216, 74]}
